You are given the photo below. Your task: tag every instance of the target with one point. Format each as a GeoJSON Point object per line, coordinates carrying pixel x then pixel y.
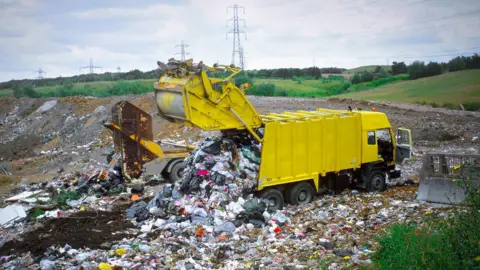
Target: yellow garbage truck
{"type": "Point", "coordinates": [302, 152]}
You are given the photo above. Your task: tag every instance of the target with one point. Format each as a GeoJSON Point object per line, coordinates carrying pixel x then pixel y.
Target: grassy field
{"type": "Point", "coordinates": [451, 88]}
{"type": "Point", "coordinates": [6, 92]}
{"type": "Point", "coordinates": [366, 68]}
{"type": "Point", "coordinates": [318, 87]}
{"type": "Point", "coordinates": [94, 86]}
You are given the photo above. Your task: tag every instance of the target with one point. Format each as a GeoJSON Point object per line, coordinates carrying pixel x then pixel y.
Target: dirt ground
{"type": "Point", "coordinates": [83, 229]}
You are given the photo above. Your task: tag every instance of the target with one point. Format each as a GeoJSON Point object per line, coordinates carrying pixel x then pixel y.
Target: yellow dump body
{"type": "Point", "coordinates": [304, 145]}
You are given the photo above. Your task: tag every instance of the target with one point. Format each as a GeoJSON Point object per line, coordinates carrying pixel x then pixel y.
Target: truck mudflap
{"type": "Point", "coordinates": [443, 177]}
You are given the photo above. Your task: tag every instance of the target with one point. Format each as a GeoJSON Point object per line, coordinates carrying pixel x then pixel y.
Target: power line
{"type": "Point", "coordinates": [182, 52]}
{"type": "Point", "coordinates": [429, 56]}
{"type": "Point", "coordinates": [453, 50]}
{"type": "Point", "coordinates": [402, 26]}
{"type": "Point", "coordinates": [90, 67]}
{"type": "Point", "coordinates": [236, 32]}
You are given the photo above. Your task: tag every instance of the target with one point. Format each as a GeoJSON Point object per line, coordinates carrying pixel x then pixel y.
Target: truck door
{"type": "Point", "coordinates": [404, 145]}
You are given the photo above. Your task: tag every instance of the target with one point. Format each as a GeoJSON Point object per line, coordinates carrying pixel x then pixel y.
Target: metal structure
{"type": "Point", "coordinates": [40, 72]}
{"type": "Point", "coordinates": [182, 52]}
{"type": "Point", "coordinates": [443, 177]}
{"type": "Point", "coordinates": [91, 67]}
{"type": "Point", "coordinates": [242, 58]}
{"type": "Point", "coordinates": [237, 48]}
{"type": "Point", "coordinates": [133, 139]}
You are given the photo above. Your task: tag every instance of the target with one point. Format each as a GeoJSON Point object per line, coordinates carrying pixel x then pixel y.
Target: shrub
{"type": "Point", "coordinates": [472, 106]}
{"type": "Point", "coordinates": [450, 242]}
{"type": "Point", "coordinates": [262, 89]}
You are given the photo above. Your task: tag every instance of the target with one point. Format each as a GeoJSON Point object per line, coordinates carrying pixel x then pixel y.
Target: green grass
{"type": "Point", "coordinates": [453, 88]}
{"type": "Point", "coordinates": [366, 68]}
{"type": "Point", "coordinates": [313, 88]}
{"type": "Point", "coordinates": [6, 92]}
{"type": "Point", "coordinates": [377, 83]}
{"type": "Point", "coordinates": [438, 242]}
{"type": "Point", "coordinates": [97, 88]}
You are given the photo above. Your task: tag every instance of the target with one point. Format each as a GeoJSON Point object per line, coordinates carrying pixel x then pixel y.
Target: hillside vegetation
{"type": "Point", "coordinates": [451, 88]}
{"type": "Point", "coordinates": [365, 68]}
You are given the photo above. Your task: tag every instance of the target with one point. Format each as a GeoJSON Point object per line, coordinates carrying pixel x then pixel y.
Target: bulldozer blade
{"type": "Point", "coordinates": [132, 120]}
{"type": "Point", "coordinates": [443, 177]}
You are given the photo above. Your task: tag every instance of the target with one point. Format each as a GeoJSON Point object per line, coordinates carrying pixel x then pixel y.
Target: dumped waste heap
{"type": "Point", "coordinates": [216, 189]}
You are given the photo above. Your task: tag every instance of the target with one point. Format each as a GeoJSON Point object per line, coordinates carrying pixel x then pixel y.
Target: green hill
{"type": "Point", "coordinates": [451, 88]}
{"type": "Point", "coordinates": [308, 88]}
{"type": "Point", "coordinates": [366, 68]}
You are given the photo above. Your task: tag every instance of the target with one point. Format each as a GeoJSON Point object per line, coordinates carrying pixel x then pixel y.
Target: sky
{"type": "Point", "coordinates": [60, 36]}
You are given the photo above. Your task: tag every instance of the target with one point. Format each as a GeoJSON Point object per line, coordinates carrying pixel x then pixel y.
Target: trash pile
{"type": "Point", "coordinates": [71, 191]}
{"type": "Point", "coordinates": [215, 191]}
{"type": "Point", "coordinates": [211, 220]}
{"type": "Point", "coordinates": [333, 230]}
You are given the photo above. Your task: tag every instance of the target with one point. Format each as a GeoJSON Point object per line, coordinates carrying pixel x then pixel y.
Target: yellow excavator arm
{"type": "Point", "coordinates": [185, 93]}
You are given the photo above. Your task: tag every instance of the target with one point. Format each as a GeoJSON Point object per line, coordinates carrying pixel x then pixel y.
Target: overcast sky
{"type": "Point", "coordinates": [61, 36]}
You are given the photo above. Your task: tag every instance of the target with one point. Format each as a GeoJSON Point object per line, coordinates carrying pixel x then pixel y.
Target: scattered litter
{"type": "Point", "coordinates": [47, 106]}
{"type": "Point", "coordinates": [10, 214]}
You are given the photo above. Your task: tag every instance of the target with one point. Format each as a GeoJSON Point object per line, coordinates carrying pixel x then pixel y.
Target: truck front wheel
{"type": "Point", "coordinates": [376, 181]}
{"type": "Point", "coordinates": [275, 198]}
{"type": "Point", "coordinates": [301, 193]}
{"type": "Point", "coordinates": [176, 172]}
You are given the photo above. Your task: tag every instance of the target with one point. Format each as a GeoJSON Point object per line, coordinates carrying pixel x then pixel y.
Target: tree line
{"type": "Point", "coordinates": [419, 69]}
{"type": "Point", "coordinates": [107, 76]}
{"type": "Point", "coordinates": [279, 73]}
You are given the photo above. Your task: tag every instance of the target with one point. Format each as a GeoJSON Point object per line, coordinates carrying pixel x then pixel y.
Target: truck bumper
{"type": "Point", "coordinates": [393, 174]}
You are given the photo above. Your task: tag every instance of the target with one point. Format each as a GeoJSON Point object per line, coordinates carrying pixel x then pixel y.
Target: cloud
{"type": "Point", "coordinates": [280, 33]}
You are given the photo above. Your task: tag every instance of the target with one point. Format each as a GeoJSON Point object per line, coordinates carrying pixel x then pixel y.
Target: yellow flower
{"type": "Point", "coordinates": [346, 258]}
{"type": "Point", "coordinates": [454, 180]}
{"type": "Point", "coordinates": [428, 213]}
{"type": "Point", "coordinates": [477, 258]}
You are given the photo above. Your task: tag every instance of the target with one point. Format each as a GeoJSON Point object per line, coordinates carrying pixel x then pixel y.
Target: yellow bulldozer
{"type": "Point", "coordinates": [302, 152]}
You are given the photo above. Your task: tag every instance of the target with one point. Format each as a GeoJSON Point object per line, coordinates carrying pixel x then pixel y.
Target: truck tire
{"type": "Point", "coordinates": [275, 197]}
{"type": "Point", "coordinates": [301, 193]}
{"type": "Point", "coordinates": [376, 181]}
{"type": "Point", "coordinates": [176, 172]}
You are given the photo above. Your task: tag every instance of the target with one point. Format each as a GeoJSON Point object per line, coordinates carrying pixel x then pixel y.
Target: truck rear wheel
{"type": "Point", "coordinates": [301, 193]}
{"type": "Point", "coordinates": [275, 197]}
{"type": "Point", "coordinates": [176, 172]}
{"type": "Point", "coordinates": [376, 181]}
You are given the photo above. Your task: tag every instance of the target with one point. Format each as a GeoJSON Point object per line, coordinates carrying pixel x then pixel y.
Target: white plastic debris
{"type": "Point", "coordinates": [47, 106]}
{"type": "Point", "coordinates": [23, 195]}
{"type": "Point", "coordinates": [11, 213]}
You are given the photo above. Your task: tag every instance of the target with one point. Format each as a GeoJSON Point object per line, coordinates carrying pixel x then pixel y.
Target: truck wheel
{"type": "Point", "coordinates": [176, 172]}
{"type": "Point", "coordinates": [275, 198]}
{"type": "Point", "coordinates": [301, 193]}
{"type": "Point", "coordinates": [376, 181]}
